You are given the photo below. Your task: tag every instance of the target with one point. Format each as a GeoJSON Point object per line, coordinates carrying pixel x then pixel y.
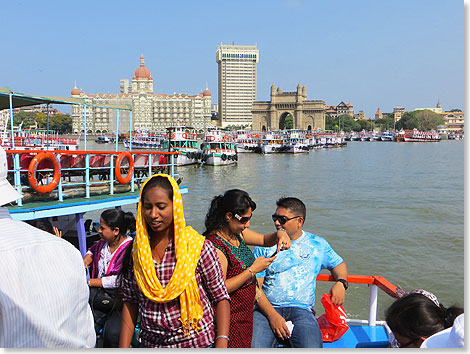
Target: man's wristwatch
{"type": "Point", "coordinates": [344, 282]}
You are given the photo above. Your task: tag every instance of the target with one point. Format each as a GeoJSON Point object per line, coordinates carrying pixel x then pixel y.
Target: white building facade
{"type": "Point", "coordinates": [150, 111]}
{"type": "Point", "coordinates": [237, 83]}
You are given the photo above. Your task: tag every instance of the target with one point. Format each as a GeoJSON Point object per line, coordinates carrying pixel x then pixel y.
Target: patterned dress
{"type": "Point", "coordinates": [242, 300]}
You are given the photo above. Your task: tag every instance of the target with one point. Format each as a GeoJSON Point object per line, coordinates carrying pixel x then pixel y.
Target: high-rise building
{"type": "Point", "coordinates": [237, 83]}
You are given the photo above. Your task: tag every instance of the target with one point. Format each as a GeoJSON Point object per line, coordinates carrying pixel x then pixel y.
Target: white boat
{"type": "Point", "coordinates": [218, 148]}
{"type": "Point", "coordinates": [104, 139]}
{"type": "Point", "coordinates": [296, 142]}
{"type": "Point", "coordinates": [184, 140]}
{"type": "Point", "coordinates": [246, 141]}
{"type": "Point", "coordinates": [387, 136]}
{"type": "Point", "coordinates": [272, 143]}
{"type": "Point", "coordinates": [38, 140]}
{"type": "Point", "coordinates": [143, 139]}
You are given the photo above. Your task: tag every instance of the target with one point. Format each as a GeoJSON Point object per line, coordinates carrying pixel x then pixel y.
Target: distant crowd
{"type": "Point", "coordinates": [156, 282]}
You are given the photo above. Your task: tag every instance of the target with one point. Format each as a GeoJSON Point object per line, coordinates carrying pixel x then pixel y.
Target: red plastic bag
{"type": "Point", "coordinates": [333, 322]}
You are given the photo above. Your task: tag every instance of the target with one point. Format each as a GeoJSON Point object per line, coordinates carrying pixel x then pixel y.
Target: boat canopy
{"type": "Point", "coordinates": [21, 100]}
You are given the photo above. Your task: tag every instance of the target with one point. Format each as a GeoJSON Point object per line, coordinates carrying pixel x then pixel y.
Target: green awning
{"type": "Point", "coordinates": [21, 100]}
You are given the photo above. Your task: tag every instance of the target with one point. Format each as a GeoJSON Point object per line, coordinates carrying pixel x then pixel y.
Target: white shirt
{"type": "Point", "coordinates": [108, 281]}
{"type": "Point", "coordinates": [43, 290]}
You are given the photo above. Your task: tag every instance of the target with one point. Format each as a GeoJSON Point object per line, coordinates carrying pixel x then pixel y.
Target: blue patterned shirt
{"type": "Point", "coordinates": [290, 281]}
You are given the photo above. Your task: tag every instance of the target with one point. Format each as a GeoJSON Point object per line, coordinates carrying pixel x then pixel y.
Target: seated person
{"type": "Point", "coordinates": [416, 316]}
{"type": "Point", "coordinates": [289, 283]}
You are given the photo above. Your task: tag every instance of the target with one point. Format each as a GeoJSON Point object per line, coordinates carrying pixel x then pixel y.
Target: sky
{"type": "Point", "coordinates": [372, 53]}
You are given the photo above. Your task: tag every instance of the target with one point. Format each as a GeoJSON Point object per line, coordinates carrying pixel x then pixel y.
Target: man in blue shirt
{"type": "Point", "coordinates": [289, 283]}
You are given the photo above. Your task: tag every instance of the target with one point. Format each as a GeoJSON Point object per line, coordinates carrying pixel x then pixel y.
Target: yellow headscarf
{"type": "Point", "coordinates": [188, 245]}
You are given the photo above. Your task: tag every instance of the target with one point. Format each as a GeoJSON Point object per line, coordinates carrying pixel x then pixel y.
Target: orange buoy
{"type": "Point", "coordinates": [117, 168]}
{"type": "Point", "coordinates": [33, 167]}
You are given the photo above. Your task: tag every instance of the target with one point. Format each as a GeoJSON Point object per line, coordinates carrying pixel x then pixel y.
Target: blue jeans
{"type": "Point", "coordinates": [306, 333]}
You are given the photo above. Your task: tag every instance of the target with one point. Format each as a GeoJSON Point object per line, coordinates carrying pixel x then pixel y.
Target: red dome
{"type": "Point", "coordinates": [206, 93]}
{"type": "Point", "coordinates": [75, 91]}
{"type": "Point", "coordinates": [142, 72]}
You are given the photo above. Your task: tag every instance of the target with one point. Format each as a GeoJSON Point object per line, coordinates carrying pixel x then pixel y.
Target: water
{"type": "Point", "coordinates": [389, 209]}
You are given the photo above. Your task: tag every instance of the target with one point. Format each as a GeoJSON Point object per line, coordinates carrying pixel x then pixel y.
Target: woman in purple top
{"type": "Point", "coordinates": [106, 257]}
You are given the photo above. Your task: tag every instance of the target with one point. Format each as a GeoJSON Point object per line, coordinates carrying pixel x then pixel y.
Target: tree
{"type": "Point", "coordinates": [455, 110]}
{"type": "Point", "coordinates": [28, 119]}
{"type": "Point", "coordinates": [61, 123]}
{"type": "Point", "coordinates": [289, 122]}
{"type": "Point", "coordinates": [422, 120]}
{"type": "Point", "coordinates": [364, 124]}
{"type": "Point", "coordinates": [387, 122]}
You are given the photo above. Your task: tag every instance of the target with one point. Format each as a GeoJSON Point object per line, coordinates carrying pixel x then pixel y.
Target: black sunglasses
{"type": "Point", "coordinates": [242, 219]}
{"type": "Point", "coordinates": [283, 219]}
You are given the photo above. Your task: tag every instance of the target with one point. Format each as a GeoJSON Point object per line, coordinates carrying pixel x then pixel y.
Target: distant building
{"type": "Point", "coordinates": [340, 109]}
{"type": "Point", "coordinates": [39, 108]}
{"type": "Point", "coordinates": [150, 111]}
{"type": "Point", "coordinates": [378, 114]}
{"type": "Point", "coordinates": [397, 113]}
{"type": "Point", "coordinates": [360, 115]}
{"type": "Point", "coordinates": [237, 83]}
{"type": "Point", "coordinates": [271, 115]}
{"type": "Point", "coordinates": [437, 109]}
{"type": "Point", "coordinates": [454, 121]}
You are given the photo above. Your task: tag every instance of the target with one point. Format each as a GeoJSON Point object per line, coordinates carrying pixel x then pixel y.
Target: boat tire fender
{"type": "Point", "coordinates": [117, 168]}
{"type": "Point", "coordinates": [224, 157]}
{"type": "Point", "coordinates": [33, 167]}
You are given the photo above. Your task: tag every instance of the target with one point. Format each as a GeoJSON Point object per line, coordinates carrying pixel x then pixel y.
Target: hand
{"type": "Point", "coordinates": [279, 327]}
{"type": "Point", "coordinates": [57, 232]}
{"type": "Point", "coordinates": [221, 343]}
{"type": "Point", "coordinates": [337, 294]}
{"type": "Point", "coordinates": [283, 240]}
{"type": "Point", "coordinates": [261, 263]}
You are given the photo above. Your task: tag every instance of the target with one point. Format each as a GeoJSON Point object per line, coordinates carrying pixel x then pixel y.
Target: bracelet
{"type": "Point", "coordinates": [252, 274]}
{"type": "Point", "coordinates": [222, 336]}
{"type": "Point", "coordinates": [282, 229]}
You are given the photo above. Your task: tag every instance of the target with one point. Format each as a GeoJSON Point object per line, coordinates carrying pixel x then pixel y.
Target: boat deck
{"type": "Point", "coordinates": [361, 336]}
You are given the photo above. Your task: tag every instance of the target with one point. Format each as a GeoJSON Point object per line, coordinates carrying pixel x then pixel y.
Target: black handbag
{"type": "Point", "coordinates": [101, 299]}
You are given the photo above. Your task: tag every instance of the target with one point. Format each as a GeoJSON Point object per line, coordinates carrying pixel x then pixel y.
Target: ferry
{"type": "Point", "coordinates": [104, 139]}
{"type": "Point", "coordinates": [37, 139]}
{"type": "Point", "coordinates": [387, 136]}
{"type": "Point", "coordinates": [143, 139]}
{"type": "Point", "coordinates": [296, 142]}
{"type": "Point", "coordinates": [184, 140]}
{"type": "Point", "coordinates": [418, 136]}
{"type": "Point", "coordinates": [272, 143]}
{"type": "Point", "coordinates": [246, 141]}
{"type": "Point", "coordinates": [218, 148]}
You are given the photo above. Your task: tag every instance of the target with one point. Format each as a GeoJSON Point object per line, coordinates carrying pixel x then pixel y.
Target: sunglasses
{"type": "Point", "coordinates": [283, 219]}
{"type": "Point", "coordinates": [406, 345]}
{"type": "Point", "coordinates": [242, 219]}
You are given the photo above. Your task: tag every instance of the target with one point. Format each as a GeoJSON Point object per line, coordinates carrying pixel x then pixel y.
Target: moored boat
{"type": "Point", "coordinates": [218, 148]}
{"type": "Point", "coordinates": [419, 136]}
{"type": "Point", "coordinates": [184, 140]}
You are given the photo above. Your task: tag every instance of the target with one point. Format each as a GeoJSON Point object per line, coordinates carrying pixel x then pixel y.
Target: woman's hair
{"type": "Point", "coordinates": [235, 201]}
{"type": "Point", "coordinates": [415, 315]}
{"type": "Point", "coordinates": [158, 181]}
{"type": "Point", "coordinates": [118, 218]}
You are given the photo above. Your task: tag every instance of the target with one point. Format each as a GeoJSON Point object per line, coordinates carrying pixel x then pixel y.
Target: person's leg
{"type": "Point", "coordinates": [112, 330]}
{"type": "Point", "coordinates": [306, 332]}
{"type": "Point", "coordinates": [263, 336]}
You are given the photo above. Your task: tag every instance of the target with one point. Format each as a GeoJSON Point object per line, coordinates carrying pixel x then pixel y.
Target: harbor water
{"type": "Point", "coordinates": [389, 209]}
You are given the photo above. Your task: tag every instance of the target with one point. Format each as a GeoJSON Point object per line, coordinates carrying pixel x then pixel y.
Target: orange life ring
{"type": "Point", "coordinates": [33, 167]}
{"type": "Point", "coordinates": [117, 168]}
{"type": "Point", "coordinates": [185, 136]}
{"type": "Point", "coordinates": [172, 136]}
{"type": "Point", "coordinates": [211, 138]}
{"type": "Point", "coordinates": [225, 138]}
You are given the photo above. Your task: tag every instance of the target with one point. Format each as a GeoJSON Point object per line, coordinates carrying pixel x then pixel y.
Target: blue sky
{"type": "Point", "coordinates": [372, 53]}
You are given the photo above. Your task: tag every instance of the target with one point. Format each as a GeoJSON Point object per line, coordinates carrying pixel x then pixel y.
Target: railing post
{"type": "Point", "coordinates": [373, 304]}
{"type": "Point", "coordinates": [17, 176]}
{"type": "Point", "coordinates": [81, 233]}
{"type": "Point", "coordinates": [150, 165]}
{"type": "Point", "coordinates": [111, 175]}
{"type": "Point", "coordinates": [133, 176]}
{"type": "Point", "coordinates": [59, 191]}
{"type": "Point", "coordinates": [172, 168]}
{"type": "Point", "coordinates": [87, 176]}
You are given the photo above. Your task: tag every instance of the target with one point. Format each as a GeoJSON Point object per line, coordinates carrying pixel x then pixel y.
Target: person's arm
{"type": "Point", "coordinates": [237, 281]}
{"type": "Point", "coordinates": [128, 322]}
{"type": "Point", "coordinates": [276, 321]}
{"type": "Point", "coordinates": [222, 319]}
{"type": "Point", "coordinates": [95, 282]}
{"type": "Point", "coordinates": [281, 238]}
{"type": "Point", "coordinates": [338, 291]}
{"type": "Point", "coordinates": [87, 260]}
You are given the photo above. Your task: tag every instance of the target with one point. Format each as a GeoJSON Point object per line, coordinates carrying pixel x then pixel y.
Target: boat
{"type": "Point", "coordinates": [418, 136]}
{"type": "Point", "coordinates": [143, 139]}
{"type": "Point", "coordinates": [218, 148]}
{"type": "Point", "coordinates": [104, 139]}
{"type": "Point", "coordinates": [246, 141]}
{"type": "Point", "coordinates": [387, 136]}
{"type": "Point", "coordinates": [272, 143]}
{"type": "Point", "coordinates": [184, 140]}
{"type": "Point", "coordinates": [37, 139]}
{"type": "Point", "coordinates": [296, 142]}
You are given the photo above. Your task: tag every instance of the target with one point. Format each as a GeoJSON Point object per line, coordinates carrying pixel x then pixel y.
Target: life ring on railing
{"type": "Point", "coordinates": [172, 136]}
{"type": "Point", "coordinates": [33, 167]}
{"type": "Point", "coordinates": [211, 138]}
{"type": "Point", "coordinates": [117, 168]}
{"type": "Point", "coordinates": [185, 136]}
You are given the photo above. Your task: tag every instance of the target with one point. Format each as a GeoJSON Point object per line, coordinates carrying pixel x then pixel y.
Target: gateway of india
{"type": "Point", "coordinates": [150, 111]}
{"type": "Point", "coordinates": [306, 114]}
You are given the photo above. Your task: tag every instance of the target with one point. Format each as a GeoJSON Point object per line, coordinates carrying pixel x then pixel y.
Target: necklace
{"type": "Point", "coordinates": [228, 239]}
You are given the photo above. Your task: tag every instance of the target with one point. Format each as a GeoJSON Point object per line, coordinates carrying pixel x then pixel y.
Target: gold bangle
{"type": "Point", "coordinates": [252, 274]}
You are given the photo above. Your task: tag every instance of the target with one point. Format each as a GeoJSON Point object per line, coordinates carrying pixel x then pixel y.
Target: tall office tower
{"type": "Point", "coordinates": [237, 83]}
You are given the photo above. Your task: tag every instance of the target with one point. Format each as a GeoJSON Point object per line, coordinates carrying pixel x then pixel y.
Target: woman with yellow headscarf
{"type": "Point", "coordinates": [171, 277]}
